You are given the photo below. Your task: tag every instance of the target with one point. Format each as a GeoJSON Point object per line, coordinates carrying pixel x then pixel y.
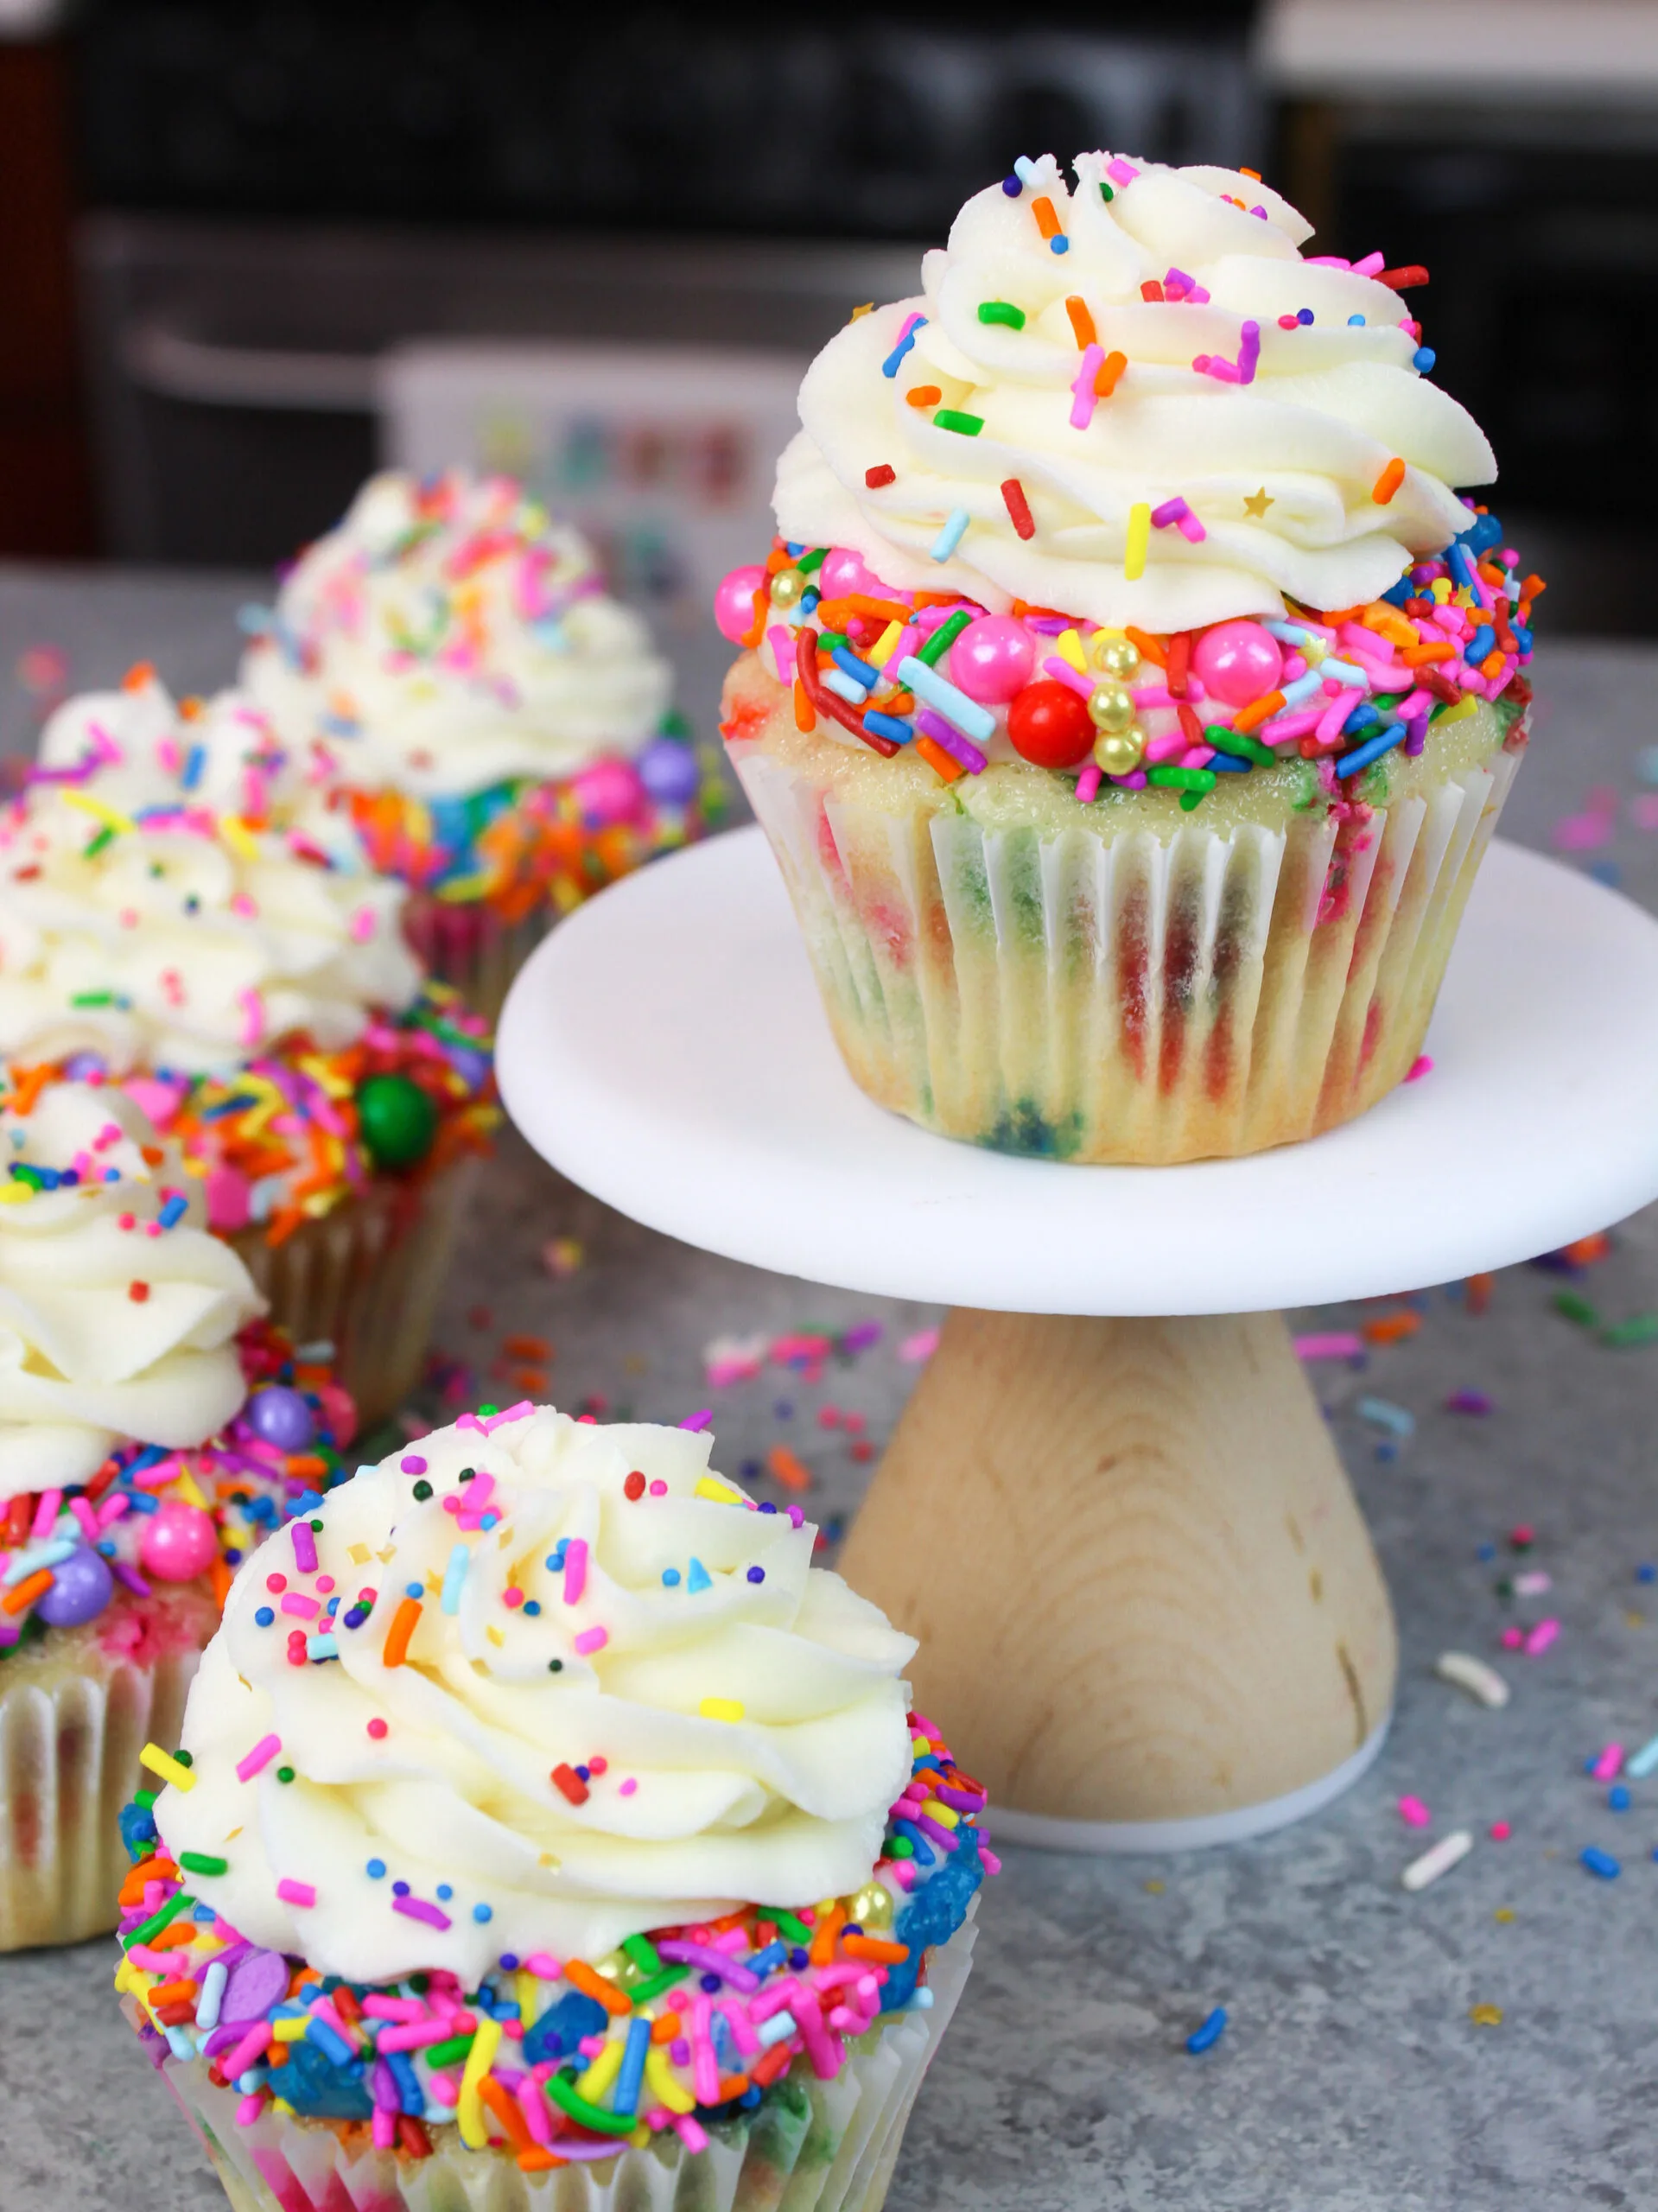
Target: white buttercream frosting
{"type": "Point", "coordinates": [85, 1363]}
{"type": "Point", "coordinates": [775, 1792]}
{"type": "Point", "coordinates": [448, 636]}
{"type": "Point", "coordinates": [1331, 403]}
{"type": "Point", "coordinates": [181, 905]}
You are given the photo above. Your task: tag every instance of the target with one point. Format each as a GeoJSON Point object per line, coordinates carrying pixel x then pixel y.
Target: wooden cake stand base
{"type": "Point", "coordinates": [1149, 1612]}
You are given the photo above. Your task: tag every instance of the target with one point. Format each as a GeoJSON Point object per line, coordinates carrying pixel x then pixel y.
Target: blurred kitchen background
{"type": "Point", "coordinates": [248, 248]}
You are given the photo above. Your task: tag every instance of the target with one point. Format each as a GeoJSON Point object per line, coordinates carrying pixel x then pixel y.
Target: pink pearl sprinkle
{"type": "Point", "coordinates": [1415, 1812]}
{"type": "Point", "coordinates": [377, 1729]}
{"type": "Point", "coordinates": [1512, 1639]}
{"type": "Point", "coordinates": [658, 1490]}
{"type": "Point", "coordinates": [627, 1788]}
{"type": "Point", "coordinates": [598, 1765]}
{"type": "Point", "coordinates": [512, 1597]}
{"type": "Point", "coordinates": [1501, 1831]}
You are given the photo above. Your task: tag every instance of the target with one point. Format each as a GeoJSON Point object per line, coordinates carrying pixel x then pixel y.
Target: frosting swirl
{"type": "Point", "coordinates": [595, 1691]}
{"type": "Point", "coordinates": [141, 920]}
{"type": "Point", "coordinates": [449, 637]}
{"type": "Point", "coordinates": [1277, 455]}
{"type": "Point", "coordinates": [118, 1311]}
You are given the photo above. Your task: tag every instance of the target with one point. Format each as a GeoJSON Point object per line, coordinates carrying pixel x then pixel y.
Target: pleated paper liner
{"type": "Point", "coordinates": [74, 1718]}
{"type": "Point", "coordinates": [1104, 995]}
{"type": "Point", "coordinates": [467, 944]}
{"type": "Point", "coordinates": [822, 2147]}
{"type": "Point", "coordinates": [367, 1278]}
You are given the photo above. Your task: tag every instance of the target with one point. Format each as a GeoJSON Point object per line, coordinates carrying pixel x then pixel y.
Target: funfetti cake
{"type": "Point", "coordinates": [1131, 694]}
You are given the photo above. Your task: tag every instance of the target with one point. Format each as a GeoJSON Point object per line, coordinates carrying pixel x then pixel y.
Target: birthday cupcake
{"type": "Point", "coordinates": [497, 726]}
{"type": "Point", "coordinates": [1130, 698]}
{"type": "Point", "coordinates": [588, 1855]}
{"type": "Point", "coordinates": [178, 913]}
{"type": "Point", "coordinates": [151, 1430]}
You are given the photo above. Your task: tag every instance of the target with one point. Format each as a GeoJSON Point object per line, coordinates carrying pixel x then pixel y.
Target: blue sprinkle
{"type": "Point", "coordinates": [377, 1869]}
{"type": "Point", "coordinates": [670, 1577]}
{"type": "Point", "coordinates": [1213, 2029]}
{"type": "Point", "coordinates": [1303, 315]}
{"type": "Point", "coordinates": [1600, 1862]}
{"type": "Point", "coordinates": [1483, 641]}
{"type": "Point", "coordinates": [335, 2048]}
{"type": "Point", "coordinates": [195, 761]}
{"type": "Point", "coordinates": [891, 365]}
{"type": "Point", "coordinates": [951, 534]}
{"type": "Point", "coordinates": [532, 1606]}
{"type": "Point", "coordinates": [1364, 754]}
{"type": "Point", "coordinates": [264, 1616]}
{"type": "Point", "coordinates": [757, 1574]}
{"type": "Point", "coordinates": [445, 1892]}
{"type": "Point", "coordinates": [888, 726]}
{"type": "Point", "coordinates": [1618, 1798]}
{"type": "Point", "coordinates": [698, 1578]}
{"type": "Point", "coordinates": [1645, 1572]}
{"type": "Point", "coordinates": [481, 1913]}
{"type": "Point", "coordinates": [414, 1589]}
{"type": "Point", "coordinates": [1060, 245]}
{"type": "Point", "coordinates": [1024, 170]}
{"type": "Point", "coordinates": [172, 1211]}
{"type": "Point", "coordinates": [1423, 359]}
{"type": "Point", "coordinates": [400, 1888]}
{"type": "Point", "coordinates": [849, 664]}
{"type": "Point", "coordinates": [1011, 186]}
{"type": "Point", "coordinates": [1353, 322]}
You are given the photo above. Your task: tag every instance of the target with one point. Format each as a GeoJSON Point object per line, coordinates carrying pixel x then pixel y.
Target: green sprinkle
{"type": "Point", "coordinates": [202, 1862]}
{"type": "Point", "coordinates": [449, 2053]}
{"type": "Point", "coordinates": [810, 563]}
{"type": "Point", "coordinates": [1106, 193]}
{"type": "Point", "coordinates": [951, 418]}
{"type": "Point", "coordinates": [643, 1992]}
{"type": "Point", "coordinates": [285, 1773]}
{"type": "Point", "coordinates": [487, 1411]}
{"type": "Point", "coordinates": [642, 1952]}
{"type": "Point", "coordinates": [564, 2096]}
{"type": "Point", "coordinates": [1639, 1329]}
{"type": "Point", "coordinates": [145, 1797]}
{"type": "Point", "coordinates": [1239, 744]}
{"type": "Point", "coordinates": [943, 638]}
{"type": "Point", "coordinates": [183, 1757]}
{"type": "Point", "coordinates": [829, 638]}
{"type": "Point", "coordinates": [1191, 801]}
{"type": "Point", "coordinates": [1574, 1307]}
{"type": "Point", "coordinates": [92, 998]}
{"type": "Point", "coordinates": [1001, 311]}
{"type": "Point", "coordinates": [105, 837]}
{"type": "Point", "coordinates": [900, 1847]}
{"type": "Point", "coordinates": [796, 1930]}
{"type": "Point", "coordinates": [155, 1924]}
{"type": "Point", "coordinates": [1182, 779]}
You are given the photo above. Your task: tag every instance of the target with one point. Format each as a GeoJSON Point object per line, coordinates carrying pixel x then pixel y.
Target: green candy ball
{"type": "Point", "coordinates": [397, 1120]}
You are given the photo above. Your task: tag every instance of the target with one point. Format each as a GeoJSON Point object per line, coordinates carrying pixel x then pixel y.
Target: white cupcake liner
{"type": "Point", "coordinates": [1104, 995]}
{"type": "Point", "coordinates": [837, 2156]}
{"type": "Point", "coordinates": [71, 1725]}
{"type": "Point", "coordinates": [367, 1278]}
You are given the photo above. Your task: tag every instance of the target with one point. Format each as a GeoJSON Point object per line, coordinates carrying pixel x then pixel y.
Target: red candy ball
{"type": "Point", "coordinates": [1048, 724]}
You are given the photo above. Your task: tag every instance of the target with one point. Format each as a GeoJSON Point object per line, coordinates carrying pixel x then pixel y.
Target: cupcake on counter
{"type": "Point", "coordinates": [176, 914]}
{"type": "Point", "coordinates": [1130, 697]}
{"type": "Point", "coordinates": [152, 1430]}
{"type": "Point", "coordinates": [590, 1856]}
{"type": "Point", "coordinates": [497, 726]}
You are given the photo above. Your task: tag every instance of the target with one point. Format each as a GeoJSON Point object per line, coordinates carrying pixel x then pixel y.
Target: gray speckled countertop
{"type": "Point", "coordinates": [1351, 2077]}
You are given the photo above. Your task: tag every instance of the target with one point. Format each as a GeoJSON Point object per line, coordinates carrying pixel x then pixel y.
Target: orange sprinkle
{"type": "Point", "coordinates": [141, 673]}
{"type": "Point", "coordinates": [536, 1348]}
{"type": "Point", "coordinates": [805, 720]}
{"type": "Point", "coordinates": [1389, 482]}
{"type": "Point", "coordinates": [404, 1622]}
{"type": "Point", "coordinates": [505, 2109]}
{"type": "Point", "coordinates": [172, 1992]}
{"type": "Point", "coordinates": [732, 2085]}
{"type": "Point", "coordinates": [665, 2028]}
{"type": "Point", "coordinates": [1105, 377]}
{"type": "Point", "coordinates": [924, 395]}
{"type": "Point", "coordinates": [219, 1581]}
{"type": "Point", "coordinates": [824, 1935]}
{"type": "Point", "coordinates": [1533, 587]}
{"type": "Point", "coordinates": [1492, 663]}
{"type": "Point", "coordinates": [769, 2065]}
{"type": "Point", "coordinates": [872, 1946]}
{"type": "Point", "coordinates": [1388, 1328]}
{"type": "Point", "coordinates": [1258, 711]}
{"type": "Point", "coordinates": [1047, 221]}
{"type": "Point", "coordinates": [1419, 656]}
{"type": "Point", "coordinates": [1479, 1293]}
{"type": "Point", "coordinates": [535, 2160]}
{"type": "Point", "coordinates": [756, 630]}
{"type": "Point", "coordinates": [1082, 323]}
{"type": "Point", "coordinates": [180, 1932]}
{"type": "Point", "coordinates": [944, 765]}
{"type": "Point", "coordinates": [31, 1587]}
{"type": "Point", "coordinates": [780, 1462]}
{"type": "Point", "coordinates": [1150, 648]}
{"type": "Point", "coordinates": [27, 1084]}
{"type": "Point", "coordinates": [307, 1463]}
{"type": "Point", "coordinates": [581, 1976]}
{"type": "Point", "coordinates": [1252, 175]}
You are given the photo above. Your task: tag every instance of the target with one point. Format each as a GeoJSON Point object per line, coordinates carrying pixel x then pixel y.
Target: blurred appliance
{"type": "Point", "coordinates": [285, 191]}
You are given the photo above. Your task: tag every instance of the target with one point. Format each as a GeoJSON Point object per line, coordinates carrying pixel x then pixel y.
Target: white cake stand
{"type": "Point", "coordinates": [1149, 1609]}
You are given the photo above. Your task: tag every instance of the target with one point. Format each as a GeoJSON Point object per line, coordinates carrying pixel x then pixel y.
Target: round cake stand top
{"type": "Point", "coordinates": [665, 1049]}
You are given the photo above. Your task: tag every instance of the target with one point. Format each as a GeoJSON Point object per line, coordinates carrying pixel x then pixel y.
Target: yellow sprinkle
{"type": "Point", "coordinates": [1486, 2016]}
{"type": "Point", "coordinates": [190, 1491]}
{"type": "Point", "coordinates": [858, 313]}
{"type": "Point", "coordinates": [721, 1493]}
{"type": "Point", "coordinates": [664, 2087]}
{"type": "Point", "coordinates": [1155, 1888]}
{"type": "Point", "coordinates": [289, 2031]}
{"type": "Point", "coordinates": [1139, 537]}
{"type": "Point", "coordinates": [238, 837]}
{"type": "Point", "coordinates": [358, 1555]}
{"type": "Point", "coordinates": [16, 1194]}
{"type": "Point", "coordinates": [494, 1635]}
{"type": "Point", "coordinates": [281, 2106]}
{"type": "Point", "coordinates": [603, 2071]}
{"type": "Point", "coordinates": [109, 816]}
{"type": "Point", "coordinates": [1503, 1912]}
{"type": "Point", "coordinates": [163, 1763]}
{"type": "Point", "coordinates": [884, 644]}
{"type": "Point", "coordinates": [1468, 704]}
{"type": "Point", "coordinates": [469, 2106]}
{"type": "Point", "coordinates": [1068, 647]}
{"type": "Point", "coordinates": [529, 1995]}
{"type": "Point", "coordinates": [721, 1708]}
{"type": "Point", "coordinates": [640, 2139]}
{"type": "Point", "coordinates": [942, 1814]}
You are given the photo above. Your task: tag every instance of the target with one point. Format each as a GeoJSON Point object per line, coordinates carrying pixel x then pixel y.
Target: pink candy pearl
{"type": "Point", "coordinates": [993, 658]}
{"type": "Point", "coordinates": [608, 792]}
{"type": "Point", "coordinates": [843, 571]}
{"type": "Point", "coordinates": [178, 1542]}
{"type": "Point", "coordinates": [1237, 662]}
{"type": "Point", "coordinates": [733, 601]}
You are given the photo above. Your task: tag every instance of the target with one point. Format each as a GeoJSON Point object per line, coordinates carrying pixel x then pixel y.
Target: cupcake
{"type": "Point", "coordinates": [178, 912]}
{"type": "Point", "coordinates": [152, 1429]}
{"type": "Point", "coordinates": [1130, 698]}
{"type": "Point", "coordinates": [588, 1855]}
{"type": "Point", "coordinates": [497, 726]}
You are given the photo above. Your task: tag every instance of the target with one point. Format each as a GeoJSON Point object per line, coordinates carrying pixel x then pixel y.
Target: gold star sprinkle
{"type": "Point", "coordinates": [1256, 504]}
{"type": "Point", "coordinates": [868, 307]}
{"type": "Point", "coordinates": [1504, 1912]}
{"type": "Point", "coordinates": [1486, 2016]}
